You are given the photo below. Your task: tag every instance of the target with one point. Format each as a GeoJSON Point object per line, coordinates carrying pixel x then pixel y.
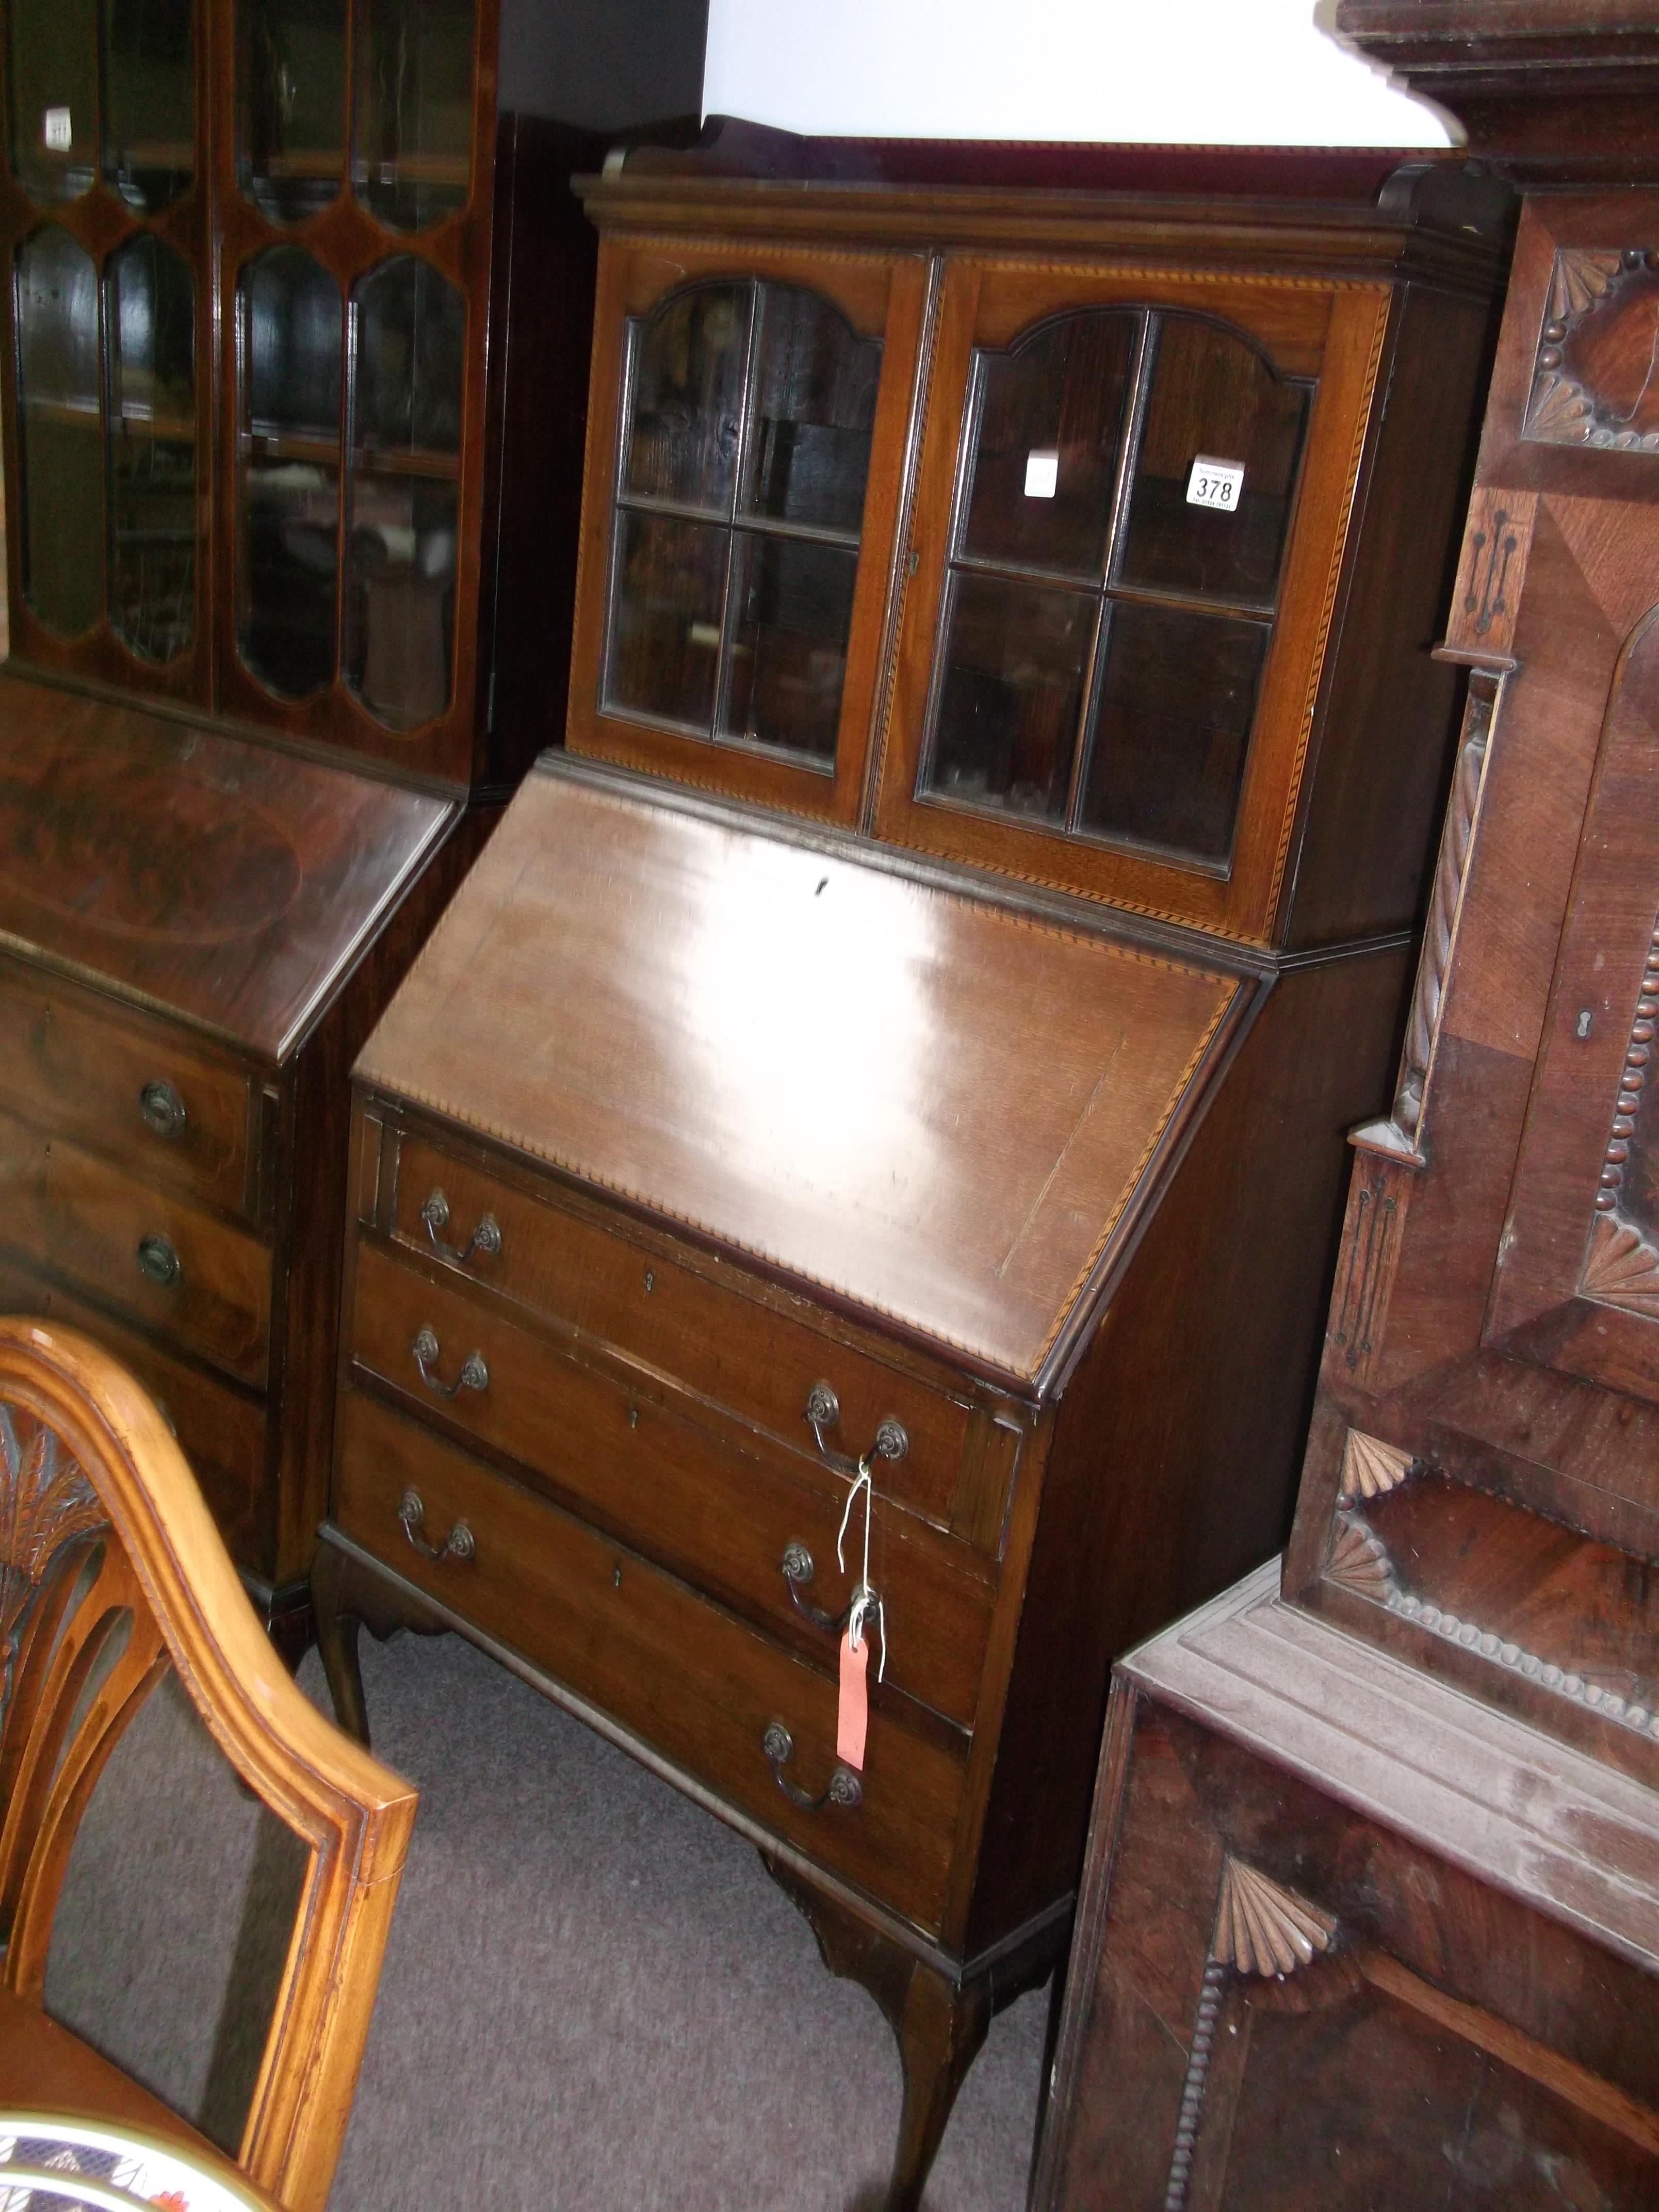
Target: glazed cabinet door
{"type": "Point", "coordinates": [355, 182]}
{"type": "Point", "coordinates": [103, 222]}
{"type": "Point", "coordinates": [750, 421]}
{"type": "Point", "coordinates": [1136, 490]}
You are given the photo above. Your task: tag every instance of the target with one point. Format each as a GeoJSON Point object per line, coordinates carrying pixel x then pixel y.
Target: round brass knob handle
{"type": "Point", "coordinates": [158, 1262]}
{"type": "Point", "coordinates": [162, 1108]}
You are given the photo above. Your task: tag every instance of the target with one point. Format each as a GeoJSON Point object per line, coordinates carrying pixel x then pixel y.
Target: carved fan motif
{"type": "Point", "coordinates": [1621, 1268]}
{"type": "Point", "coordinates": [44, 1500]}
{"type": "Point", "coordinates": [1559, 413]}
{"type": "Point", "coordinates": [1261, 1929]}
{"type": "Point", "coordinates": [1581, 275]}
{"type": "Point", "coordinates": [1357, 1560]}
{"type": "Point", "coordinates": [1371, 1468]}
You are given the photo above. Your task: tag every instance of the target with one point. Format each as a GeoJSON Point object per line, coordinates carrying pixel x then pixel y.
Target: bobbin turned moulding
{"type": "Point", "coordinates": [972, 849]}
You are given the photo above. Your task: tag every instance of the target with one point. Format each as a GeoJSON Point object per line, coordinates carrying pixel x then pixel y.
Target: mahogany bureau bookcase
{"type": "Point", "coordinates": [1372, 1913]}
{"type": "Point", "coordinates": [295, 323]}
{"type": "Point", "coordinates": [869, 1130]}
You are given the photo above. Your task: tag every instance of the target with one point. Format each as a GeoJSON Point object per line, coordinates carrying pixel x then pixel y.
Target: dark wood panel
{"type": "Point", "coordinates": [688, 1677]}
{"type": "Point", "coordinates": [932, 1106]}
{"type": "Point", "coordinates": [183, 1273]}
{"type": "Point", "coordinates": [202, 873]}
{"type": "Point", "coordinates": [129, 1085]}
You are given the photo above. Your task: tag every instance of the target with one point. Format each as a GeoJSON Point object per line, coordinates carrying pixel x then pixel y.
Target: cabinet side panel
{"type": "Point", "coordinates": [1176, 1446]}
{"type": "Point", "coordinates": [541, 321]}
{"type": "Point", "coordinates": [1388, 719]}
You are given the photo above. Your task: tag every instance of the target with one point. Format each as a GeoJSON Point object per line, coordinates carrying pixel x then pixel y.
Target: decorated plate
{"type": "Point", "coordinates": [49, 2165]}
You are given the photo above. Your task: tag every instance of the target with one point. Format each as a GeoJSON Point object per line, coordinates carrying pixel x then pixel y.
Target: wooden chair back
{"type": "Point", "coordinates": [112, 1570]}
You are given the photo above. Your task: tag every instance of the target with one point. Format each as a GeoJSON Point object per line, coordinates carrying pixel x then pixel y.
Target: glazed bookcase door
{"type": "Point", "coordinates": [749, 427]}
{"type": "Point", "coordinates": [354, 272]}
{"type": "Point", "coordinates": [109, 340]}
{"type": "Point", "coordinates": [1134, 489]}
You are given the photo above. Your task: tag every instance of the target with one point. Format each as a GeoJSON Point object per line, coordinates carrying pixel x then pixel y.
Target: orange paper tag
{"type": "Point", "coordinates": [853, 1717]}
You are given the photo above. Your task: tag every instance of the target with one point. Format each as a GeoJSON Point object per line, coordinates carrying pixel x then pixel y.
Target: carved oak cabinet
{"type": "Point", "coordinates": [1372, 1912]}
{"type": "Point", "coordinates": [908, 1034]}
{"type": "Point", "coordinates": [295, 325]}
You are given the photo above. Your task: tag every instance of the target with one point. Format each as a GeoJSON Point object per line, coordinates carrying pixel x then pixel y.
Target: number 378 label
{"type": "Point", "coordinates": [1215, 483]}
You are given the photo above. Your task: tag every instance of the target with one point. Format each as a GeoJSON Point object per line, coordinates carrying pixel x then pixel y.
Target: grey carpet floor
{"type": "Point", "coordinates": [593, 1996]}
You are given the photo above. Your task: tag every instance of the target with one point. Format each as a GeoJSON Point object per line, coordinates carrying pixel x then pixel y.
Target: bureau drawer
{"type": "Point", "coordinates": [697, 1685]}
{"type": "Point", "coordinates": [222, 1433]}
{"type": "Point", "coordinates": [184, 1275]}
{"type": "Point", "coordinates": [126, 1084]}
{"type": "Point", "coordinates": [719, 1515]}
{"type": "Point", "coordinates": [727, 1347]}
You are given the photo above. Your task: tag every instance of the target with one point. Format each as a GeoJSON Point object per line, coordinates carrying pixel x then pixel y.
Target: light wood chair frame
{"type": "Point", "coordinates": [111, 1520]}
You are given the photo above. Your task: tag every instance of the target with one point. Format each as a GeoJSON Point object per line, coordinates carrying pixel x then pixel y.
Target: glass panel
{"type": "Point", "coordinates": [686, 393]}
{"type": "Point", "coordinates": [814, 410]}
{"type": "Point", "coordinates": [665, 618]}
{"type": "Point", "coordinates": [1016, 662]}
{"type": "Point", "coordinates": [794, 611]}
{"type": "Point", "coordinates": [291, 147]}
{"type": "Point", "coordinates": [409, 336]}
{"type": "Point", "coordinates": [410, 348]}
{"type": "Point", "coordinates": [1212, 394]}
{"type": "Point", "coordinates": [291, 320]}
{"type": "Point", "coordinates": [60, 432]}
{"type": "Point", "coordinates": [149, 111]}
{"type": "Point", "coordinates": [412, 158]}
{"type": "Point", "coordinates": [150, 307]}
{"type": "Point", "coordinates": [1176, 701]}
{"type": "Point", "coordinates": [54, 95]}
{"type": "Point", "coordinates": [1045, 457]}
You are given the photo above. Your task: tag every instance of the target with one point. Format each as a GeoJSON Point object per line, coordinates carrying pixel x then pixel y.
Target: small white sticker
{"type": "Point", "coordinates": [1041, 473]}
{"type": "Point", "coordinates": [1215, 483]}
{"type": "Point", "coordinates": [57, 130]}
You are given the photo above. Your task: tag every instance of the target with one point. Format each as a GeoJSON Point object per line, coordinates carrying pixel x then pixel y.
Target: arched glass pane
{"type": "Point", "coordinates": [149, 108]}
{"type": "Point", "coordinates": [1210, 394]}
{"type": "Point", "coordinates": [54, 95]}
{"type": "Point", "coordinates": [1049, 418]}
{"type": "Point", "coordinates": [150, 315]}
{"type": "Point", "coordinates": [741, 496]}
{"type": "Point", "coordinates": [59, 431]}
{"type": "Point", "coordinates": [291, 121]}
{"type": "Point", "coordinates": [685, 383]}
{"type": "Point", "coordinates": [412, 149]}
{"type": "Point", "coordinates": [290, 327]}
{"type": "Point", "coordinates": [410, 342]}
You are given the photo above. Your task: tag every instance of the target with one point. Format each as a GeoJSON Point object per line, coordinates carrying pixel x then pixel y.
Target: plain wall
{"type": "Point", "coordinates": [1236, 72]}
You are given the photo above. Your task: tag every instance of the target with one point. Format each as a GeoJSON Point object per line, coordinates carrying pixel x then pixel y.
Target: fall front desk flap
{"type": "Point", "coordinates": [227, 881]}
{"type": "Point", "coordinates": [934, 1108]}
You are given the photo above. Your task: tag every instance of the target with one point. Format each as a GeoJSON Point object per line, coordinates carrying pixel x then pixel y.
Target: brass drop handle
{"type": "Point", "coordinates": [162, 1108]}
{"type": "Point", "coordinates": [457, 1545]}
{"type": "Point", "coordinates": [797, 1568]}
{"type": "Point", "coordinates": [823, 1412]}
{"type": "Point", "coordinates": [159, 1263]}
{"type": "Point", "coordinates": [843, 1789]}
{"type": "Point", "coordinates": [485, 1238]}
{"type": "Point", "coordinates": [474, 1374]}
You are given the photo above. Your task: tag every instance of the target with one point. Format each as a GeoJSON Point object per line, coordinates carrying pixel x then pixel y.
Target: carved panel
{"type": "Point", "coordinates": [1377, 1198]}
{"type": "Point", "coordinates": [1402, 1135]}
{"type": "Point", "coordinates": [1490, 572]}
{"type": "Point", "coordinates": [1596, 377]}
{"type": "Point", "coordinates": [1371, 1468]}
{"type": "Point", "coordinates": [1621, 1264]}
{"type": "Point", "coordinates": [45, 1501]}
{"type": "Point", "coordinates": [1357, 1561]}
{"type": "Point", "coordinates": [1261, 1929]}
